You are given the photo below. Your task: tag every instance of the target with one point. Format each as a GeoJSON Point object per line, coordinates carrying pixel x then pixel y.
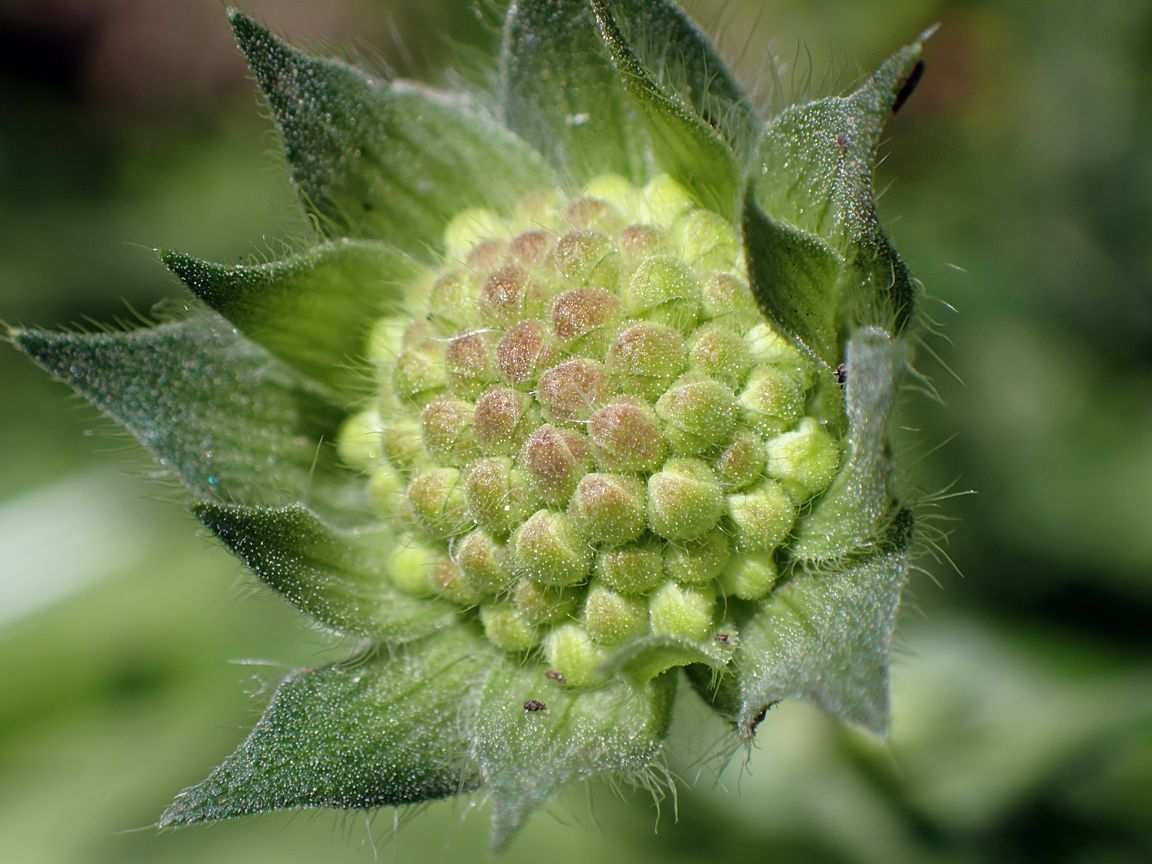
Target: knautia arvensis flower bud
{"type": "Point", "coordinates": [581, 395]}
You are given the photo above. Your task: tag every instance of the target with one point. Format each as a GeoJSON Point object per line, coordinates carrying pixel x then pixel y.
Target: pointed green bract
{"type": "Point", "coordinates": [683, 144]}
{"type": "Point", "coordinates": [525, 756]}
{"type": "Point", "coordinates": [859, 504]}
{"type": "Point", "coordinates": [335, 576]}
{"type": "Point", "coordinates": [825, 638]}
{"type": "Point", "coordinates": [384, 160]}
{"type": "Point", "coordinates": [230, 420]}
{"type": "Point", "coordinates": [793, 276]}
{"type": "Point", "coordinates": [561, 94]}
{"type": "Point", "coordinates": [312, 310]}
{"type": "Point", "coordinates": [818, 161]}
{"type": "Point", "coordinates": [380, 729]}
{"type": "Point", "coordinates": [641, 660]}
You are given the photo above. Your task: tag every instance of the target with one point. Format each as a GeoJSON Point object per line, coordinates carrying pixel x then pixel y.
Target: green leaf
{"type": "Point", "coordinates": [526, 756]}
{"type": "Point", "coordinates": [641, 660]}
{"type": "Point", "coordinates": [381, 729]}
{"type": "Point", "coordinates": [858, 505]}
{"type": "Point", "coordinates": [818, 161]}
{"type": "Point", "coordinates": [684, 61]}
{"type": "Point", "coordinates": [561, 94]}
{"type": "Point", "coordinates": [312, 310]}
{"type": "Point", "coordinates": [825, 637]}
{"type": "Point", "coordinates": [684, 145]}
{"type": "Point", "coordinates": [384, 160]}
{"type": "Point", "coordinates": [335, 576]}
{"type": "Point", "coordinates": [793, 276]}
{"type": "Point", "coordinates": [229, 419]}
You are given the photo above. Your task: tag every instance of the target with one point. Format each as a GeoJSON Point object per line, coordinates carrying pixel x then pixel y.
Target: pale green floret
{"type": "Point", "coordinates": [419, 374]}
{"type": "Point", "coordinates": [543, 604]}
{"type": "Point", "coordinates": [697, 563]}
{"type": "Point", "coordinates": [751, 576]}
{"type": "Point", "coordinates": [645, 359]}
{"type": "Point", "coordinates": [506, 628]}
{"type": "Point", "coordinates": [484, 564]}
{"type": "Point", "coordinates": [386, 491]}
{"type": "Point", "coordinates": [707, 240]}
{"type": "Point", "coordinates": [385, 341]}
{"type": "Point", "coordinates": [804, 461]}
{"type": "Point", "coordinates": [684, 500]}
{"type": "Point", "coordinates": [588, 258]}
{"type": "Point", "coordinates": [761, 517]}
{"type": "Point", "coordinates": [635, 569]}
{"type": "Point", "coordinates": [611, 618]}
{"type": "Point", "coordinates": [358, 443]}
{"type": "Point", "coordinates": [452, 299]}
{"type": "Point", "coordinates": [772, 400]}
{"type": "Point", "coordinates": [446, 426]}
{"type": "Point", "coordinates": [728, 300]}
{"type": "Point", "coordinates": [721, 353]}
{"type": "Point", "coordinates": [608, 509]}
{"type": "Point", "coordinates": [571, 652]}
{"type": "Point", "coordinates": [683, 612]}
{"type": "Point", "coordinates": [469, 228]}
{"type": "Point", "coordinates": [410, 566]}
{"type": "Point", "coordinates": [548, 549]}
{"type": "Point", "coordinates": [403, 443]}
{"type": "Point", "coordinates": [497, 494]}
{"type": "Point", "coordinates": [767, 346]}
{"type": "Point", "coordinates": [663, 200]}
{"type": "Point", "coordinates": [664, 290]}
{"type": "Point", "coordinates": [437, 500]}
{"type": "Point", "coordinates": [616, 190]}
{"type": "Point", "coordinates": [699, 414]}
{"type": "Point", "coordinates": [742, 462]}
{"type": "Point", "coordinates": [449, 584]}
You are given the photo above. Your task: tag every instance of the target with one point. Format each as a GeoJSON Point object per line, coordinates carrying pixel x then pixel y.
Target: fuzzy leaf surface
{"type": "Point", "coordinates": [228, 418]}
{"type": "Point", "coordinates": [683, 143]}
{"type": "Point", "coordinates": [334, 575]}
{"type": "Point", "coordinates": [378, 730]}
{"type": "Point", "coordinates": [818, 161]}
{"type": "Point", "coordinates": [525, 757]}
{"type": "Point", "coordinates": [561, 94]}
{"type": "Point", "coordinates": [311, 310]}
{"type": "Point", "coordinates": [384, 160]}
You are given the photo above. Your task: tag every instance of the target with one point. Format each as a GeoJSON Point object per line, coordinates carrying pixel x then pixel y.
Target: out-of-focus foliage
{"type": "Point", "coordinates": [1023, 707]}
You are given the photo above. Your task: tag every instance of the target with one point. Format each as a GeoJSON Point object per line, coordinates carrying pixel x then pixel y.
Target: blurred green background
{"type": "Point", "coordinates": [1022, 196]}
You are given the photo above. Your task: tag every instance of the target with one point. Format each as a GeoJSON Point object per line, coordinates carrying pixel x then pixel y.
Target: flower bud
{"type": "Point", "coordinates": [633, 569]}
{"type": "Point", "coordinates": [608, 509]}
{"type": "Point", "coordinates": [664, 199]}
{"type": "Point", "coordinates": [503, 295]}
{"type": "Point", "coordinates": [549, 550]}
{"type": "Point", "coordinates": [358, 443]}
{"type": "Point", "coordinates": [571, 652]}
{"type": "Point", "coordinates": [804, 461]}
{"type": "Point", "coordinates": [727, 300]}
{"type": "Point", "coordinates": [767, 346]}
{"type": "Point", "coordinates": [684, 500]}
{"type": "Point", "coordinates": [449, 583]}
{"type": "Point", "coordinates": [468, 228]}
{"type": "Point", "coordinates": [543, 604]}
{"type": "Point", "coordinates": [497, 495]}
{"type": "Point", "coordinates": [483, 562]}
{"type": "Point", "coordinates": [419, 375]}
{"type": "Point", "coordinates": [697, 562]}
{"type": "Point", "coordinates": [554, 461]}
{"type": "Point", "coordinates": [523, 352]}
{"type": "Point", "coordinates": [682, 612]}
{"type": "Point", "coordinates": [742, 462]}
{"type": "Point", "coordinates": [613, 189]}
{"type": "Point", "coordinates": [531, 247]}
{"type": "Point", "coordinates": [772, 399]}
{"type": "Point", "coordinates": [506, 628]}
{"type": "Point", "coordinates": [720, 353]}
{"type": "Point", "coordinates": [641, 240]}
{"type": "Point", "coordinates": [593, 214]}
{"type": "Point", "coordinates": [447, 430]}
{"type": "Point", "coordinates": [698, 413]}
{"type": "Point", "coordinates": [386, 489]}
{"type": "Point", "coordinates": [646, 358]}
{"type": "Point", "coordinates": [751, 576]}
{"type": "Point", "coordinates": [708, 240]}
{"type": "Point", "coordinates": [625, 436]}
{"type": "Point", "coordinates": [762, 517]}
{"type": "Point", "coordinates": [402, 441]}
{"type": "Point", "coordinates": [587, 258]}
{"type": "Point", "coordinates": [469, 361]}
{"type": "Point", "coordinates": [410, 566]}
{"type": "Point", "coordinates": [665, 291]}
{"type": "Point", "coordinates": [452, 301]}
{"type": "Point", "coordinates": [437, 500]}
{"type": "Point", "coordinates": [504, 419]}
{"type": "Point", "coordinates": [572, 391]}
{"type": "Point", "coordinates": [611, 618]}
{"type": "Point", "coordinates": [582, 319]}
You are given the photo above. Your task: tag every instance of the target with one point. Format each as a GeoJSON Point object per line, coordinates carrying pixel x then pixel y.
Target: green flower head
{"type": "Point", "coordinates": [579, 398]}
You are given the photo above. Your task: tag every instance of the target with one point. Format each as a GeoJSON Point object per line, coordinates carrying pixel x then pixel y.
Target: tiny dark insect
{"type": "Point", "coordinates": [759, 718]}
{"type": "Point", "coordinates": [908, 86]}
{"type": "Point", "coordinates": [723, 638]}
{"type": "Point", "coordinates": [842, 374]}
{"type": "Point", "coordinates": [553, 675]}
{"type": "Point", "coordinates": [534, 705]}
{"type": "Point", "coordinates": [842, 140]}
